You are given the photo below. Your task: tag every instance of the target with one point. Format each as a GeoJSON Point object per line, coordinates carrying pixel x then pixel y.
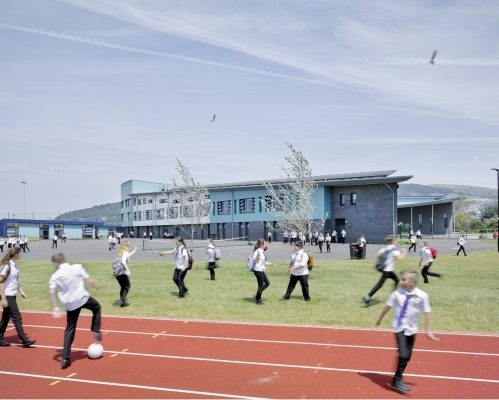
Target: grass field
{"type": "Point", "coordinates": [465, 300]}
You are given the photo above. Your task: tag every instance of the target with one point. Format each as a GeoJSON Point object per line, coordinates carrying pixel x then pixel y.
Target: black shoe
{"type": "Point", "coordinates": [308, 299]}
{"type": "Point", "coordinates": [66, 362]}
{"type": "Point", "coordinates": [367, 300]}
{"type": "Point", "coordinates": [400, 386]}
{"type": "Point", "coordinates": [29, 343]}
{"type": "Point", "coordinates": [124, 304]}
{"type": "Point", "coordinates": [181, 295]}
{"type": "Point", "coordinates": [98, 336]}
{"type": "Point", "coordinates": [285, 298]}
{"type": "Point", "coordinates": [260, 303]}
{"type": "Point", "coordinates": [3, 343]}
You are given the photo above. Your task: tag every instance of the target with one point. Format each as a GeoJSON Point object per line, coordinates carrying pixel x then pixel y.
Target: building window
{"type": "Point", "coordinates": [420, 221]}
{"type": "Point", "coordinates": [135, 201]}
{"type": "Point", "coordinates": [161, 201]}
{"type": "Point", "coordinates": [139, 202]}
{"type": "Point", "coordinates": [223, 207]}
{"type": "Point", "coordinates": [342, 200]}
{"type": "Point", "coordinates": [149, 215]}
{"type": "Point", "coordinates": [129, 216]}
{"type": "Point", "coordinates": [247, 206]}
{"type": "Point", "coordinates": [353, 199]}
{"type": "Point", "coordinates": [127, 203]}
{"type": "Point", "coordinates": [122, 204]}
{"type": "Point", "coordinates": [144, 200]}
{"type": "Point", "coordinates": [135, 215]}
{"type": "Point", "coordinates": [160, 213]}
{"type": "Point", "coordinates": [214, 208]}
{"type": "Point", "coordinates": [122, 217]}
{"type": "Point", "coordinates": [446, 221]}
{"type": "Point", "coordinates": [149, 201]}
{"type": "Point", "coordinates": [187, 211]}
{"type": "Point", "coordinates": [173, 212]}
{"type": "Point", "coordinates": [260, 204]}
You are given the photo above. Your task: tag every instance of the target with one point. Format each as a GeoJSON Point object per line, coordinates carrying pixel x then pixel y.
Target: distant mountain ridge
{"type": "Point", "coordinates": [110, 213]}
{"type": "Point", "coordinates": [472, 192]}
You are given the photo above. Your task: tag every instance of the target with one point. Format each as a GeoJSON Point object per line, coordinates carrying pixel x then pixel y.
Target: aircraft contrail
{"type": "Point", "coordinates": [484, 62]}
{"type": "Point", "coordinates": [99, 43]}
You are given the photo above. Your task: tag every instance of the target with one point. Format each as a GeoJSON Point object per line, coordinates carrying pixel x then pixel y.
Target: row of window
{"type": "Point", "coordinates": [159, 213]}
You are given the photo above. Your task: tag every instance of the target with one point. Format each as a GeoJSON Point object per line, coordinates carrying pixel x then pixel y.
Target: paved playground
{"type": "Point", "coordinates": [92, 249]}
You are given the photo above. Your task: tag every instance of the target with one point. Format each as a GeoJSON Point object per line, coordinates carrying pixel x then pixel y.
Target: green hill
{"type": "Point", "coordinates": [472, 192]}
{"type": "Point", "coordinates": [108, 213]}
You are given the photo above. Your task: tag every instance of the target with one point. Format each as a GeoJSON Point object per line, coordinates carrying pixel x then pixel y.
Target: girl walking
{"type": "Point", "coordinates": [260, 262]}
{"type": "Point", "coordinates": [9, 286]}
{"type": "Point", "coordinates": [124, 278]}
{"type": "Point", "coordinates": [181, 265]}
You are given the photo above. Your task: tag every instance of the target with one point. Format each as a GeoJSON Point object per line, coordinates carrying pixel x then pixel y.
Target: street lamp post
{"type": "Point", "coordinates": [497, 171]}
{"type": "Point", "coordinates": [24, 198]}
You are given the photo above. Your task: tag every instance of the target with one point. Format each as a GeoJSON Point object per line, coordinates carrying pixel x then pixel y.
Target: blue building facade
{"type": "Point", "coordinates": [361, 203]}
{"type": "Point", "coordinates": [46, 229]}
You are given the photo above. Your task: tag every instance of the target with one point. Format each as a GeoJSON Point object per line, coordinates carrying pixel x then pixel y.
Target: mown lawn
{"type": "Point", "coordinates": [465, 300]}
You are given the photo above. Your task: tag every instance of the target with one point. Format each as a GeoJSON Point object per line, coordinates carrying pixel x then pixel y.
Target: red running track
{"type": "Point", "coordinates": [154, 358]}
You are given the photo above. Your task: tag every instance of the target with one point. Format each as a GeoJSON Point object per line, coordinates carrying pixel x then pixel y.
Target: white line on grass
{"type": "Point", "coordinates": [127, 385]}
{"type": "Point", "coordinates": [286, 342]}
{"type": "Point", "coordinates": [264, 364]}
{"type": "Point", "coordinates": [201, 321]}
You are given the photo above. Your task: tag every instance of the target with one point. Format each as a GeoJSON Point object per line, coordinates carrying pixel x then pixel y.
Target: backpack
{"type": "Point", "coordinates": [382, 260]}
{"type": "Point", "coordinates": [310, 262]}
{"type": "Point", "coordinates": [217, 253]}
{"type": "Point", "coordinates": [250, 264]}
{"type": "Point", "coordinates": [434, 252]}
{"type": "Point", "coordinates": [118, 267]}
{"type": "Point", "coordinates": [190, 260]}
{"type": "Point", "coordinates": [7, 273]}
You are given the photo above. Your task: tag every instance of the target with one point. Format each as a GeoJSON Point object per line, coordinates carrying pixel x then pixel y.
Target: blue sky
{"type": "Point", "coordinates": [96, 92]}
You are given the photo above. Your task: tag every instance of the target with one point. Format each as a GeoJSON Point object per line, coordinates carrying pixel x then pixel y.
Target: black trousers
{"type": "Point", "coordinates": [293, 280]}
{"type": "Point", "coordinates": [263, 283]}
{"type": "Point", "coordinates": [12, 312]}
{"type": "Point", "coordinates": [54, 244]}
{"type": "Point", "coordinates": [385, 275]}
{"type": "Point", "coordinates": [425, 273]}
{"type": "Point", "coordinates": [405, 345]}
{"type": "Point", "coordinates": [320, 245]}
{"type": "Point", "coordinates": [328, 247]}
{"type": "Point", "coordinates": [211, 267]}
{"type": "Point", "coordinates": [461, 248]}
{"type": "Point", "coordinates": [178, 278]}
{"type": "Point", "coordinates": [72, 320]}
{"type": "Point", "coordinates": [413, 245]}
{"type": "Point", "coordinates": [1, 248]}
{"type": "Point", "coordinates": [124, 282]}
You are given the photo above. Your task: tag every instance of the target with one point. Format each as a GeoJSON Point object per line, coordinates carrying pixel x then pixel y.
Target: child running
{"type": "Point", "coordinates": [409, 302]}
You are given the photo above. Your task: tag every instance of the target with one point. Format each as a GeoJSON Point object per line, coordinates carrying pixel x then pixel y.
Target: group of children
{"type": "Point", "coordinates": [68, 282]}
{"type": "Point", "coordinates": [12, 241]}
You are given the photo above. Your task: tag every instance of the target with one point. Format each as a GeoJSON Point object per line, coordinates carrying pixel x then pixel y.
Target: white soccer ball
{"type": "Point", "coordinates": [95, 350]}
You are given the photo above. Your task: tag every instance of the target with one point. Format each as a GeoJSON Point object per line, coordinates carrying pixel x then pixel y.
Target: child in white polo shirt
{"type": "Point", "coordinates": [69, 283]}
{"type": "Point", "coordinates": [409, 302]}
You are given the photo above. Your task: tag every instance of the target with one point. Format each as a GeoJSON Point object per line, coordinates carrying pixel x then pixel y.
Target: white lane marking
{"type": "Point", "coordinates": [295, 366]}
{"type": "Point", "coordinates": [127, 385]}
{"type": "Point", "coordinates": [327, 345]}
{"type": "Point", "coordinates": [200, 321]}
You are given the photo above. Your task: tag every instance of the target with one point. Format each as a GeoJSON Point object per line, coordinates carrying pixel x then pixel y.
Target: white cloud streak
{"type": "Point", "coordinates": [79, 39]}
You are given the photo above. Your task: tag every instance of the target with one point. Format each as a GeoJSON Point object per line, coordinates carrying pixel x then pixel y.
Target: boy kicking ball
{"type": "Point", "coordinates": [409, 302]}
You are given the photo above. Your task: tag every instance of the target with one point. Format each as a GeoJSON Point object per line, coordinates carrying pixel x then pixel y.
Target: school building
{"type": "Point", "coordinates": [361, 203]}
{"type": "Point", "coordinates": [45, 229]}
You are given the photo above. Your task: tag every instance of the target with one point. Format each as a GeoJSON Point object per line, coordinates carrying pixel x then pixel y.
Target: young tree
{"type": "Point", "coordinates": [292, 200]}
{"type": "Point", "coordinates": [193, 199]}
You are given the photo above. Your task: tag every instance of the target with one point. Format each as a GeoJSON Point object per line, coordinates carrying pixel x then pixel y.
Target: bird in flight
{"type": "Point", "coordinates": [433, 58]}
{"type": "Point", "coordinates": [213, 118]}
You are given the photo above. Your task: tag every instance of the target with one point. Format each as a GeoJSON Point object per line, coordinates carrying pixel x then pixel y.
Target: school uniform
{"type": "Point", "coordinates": [387, 272]}
{"type": "Point", "coordinates": [427, 261]}
{"type": "Point", "coordinates": [320, 240]}
{"type": "Point", "coordinates": [413, 243]}
{"type": "Point", "coordinates": [259, 272]}
{"type": "Point", "coordinates": [299, 259]}
{"type": "Point", "coordinates": [328, 243]}
{"type": "Point", "coordinates": [405, 322]}
{"type": "Point", "coordinates": [11, 287]}
{"type": "Point", "coordinates": [124, 279]}
{"type": "Point", "coordinates": [54, 242]}
{"type": "Point", "coordinates": [180, 270]}
{"type": "Point", "coordinates": [461, 242]}
{"type": "Point", "coordinates": [334, 235]}
{"type": "Point", "coordinates": [343, 235]}
{"type": "Point", "coordinates": [212, 264]}
{"type": "Point", "coordinates": [2, 243]}
{"type": "Point", "coordinates": [69, 282]}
